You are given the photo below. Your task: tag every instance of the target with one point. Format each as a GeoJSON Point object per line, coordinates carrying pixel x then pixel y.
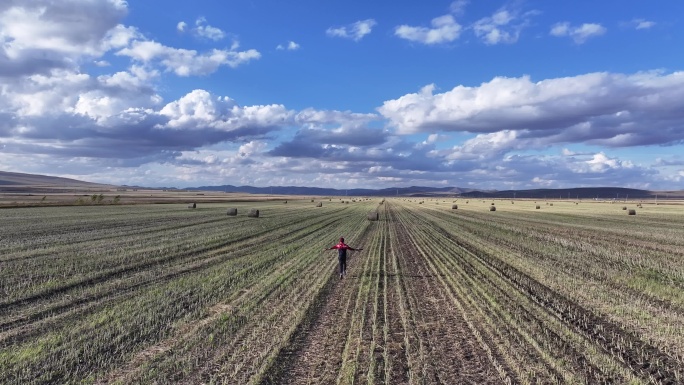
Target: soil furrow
{"type": "Point", "coordinates": [315, 354]}
{"type": "Point", "coordinates": [454, 351]}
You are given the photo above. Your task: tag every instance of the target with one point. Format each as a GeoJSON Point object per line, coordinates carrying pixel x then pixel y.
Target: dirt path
{"type": "Point", "coordinates": [389, 321]}
{"type": "Point", "coordinates": [449, 351]}
{"type": "Point", "coordinates": [315, 355]}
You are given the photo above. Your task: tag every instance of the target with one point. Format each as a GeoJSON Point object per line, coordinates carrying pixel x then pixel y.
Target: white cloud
{"type": "Point", "coordinates": [185, 62]}
{"type": "Point", "coordinates": [601, 163]}
{"type": "Point", "coordinates": [504, 26]}
{"type": "Point", "coordinates": [181, 26]}
{"type": "Point", "coordinates": [207, 31]}
{"type": "Point", "coordinates": [485, 146]}
{"type": "Point", "coordinates": [579, 34]}
{"type": "Point", "coordinates": [444, 29]}
{"type": "Point", "coordinates": [434, 138]}
{"type": "Point", "coordinates": [199, 110]}
{"type": "Point", "coordinates": [290, 46]}
{"type": "Point", "coordinates": [643, 24]}
{"type": "Point", "coordinates": [355, 31]}
{"type": "Point", "coordinates": [38, 36]}
{"type": "Point", "coordinates": [543, 182]}
{"type": "Point", "coordinates": [598, 108]}
{"type": "Point", "coordinates": [251, 148]}
{"type": "Point", "coordinates": [316, 118]}
{"type": "Point", "coordinates": [457, 7]}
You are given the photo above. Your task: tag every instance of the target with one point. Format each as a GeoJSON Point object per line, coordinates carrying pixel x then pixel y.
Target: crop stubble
{"type": "Point", "coordinates": [170, 295]}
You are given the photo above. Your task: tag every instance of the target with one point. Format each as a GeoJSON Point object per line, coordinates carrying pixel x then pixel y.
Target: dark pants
{"type": "Point", "coordinates": [343, 264]}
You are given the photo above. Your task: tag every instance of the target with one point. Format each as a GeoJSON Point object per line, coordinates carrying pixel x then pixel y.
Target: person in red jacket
{"type": "Point", "coordinates": [342, 255]}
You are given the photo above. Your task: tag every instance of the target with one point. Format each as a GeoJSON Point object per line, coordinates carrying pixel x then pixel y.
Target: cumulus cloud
{"type": "Point", "coordinates": [200, 110]}
{"type": "Point", "coordinates": [355, 31]}
{"type": "Point", "coordinates": [331, 132]}
{"type": "Point", "coordinates": [204, 30]}
{"type": "Point", "coordinates": [444, 29]}
{"type": "Point", "coordinates": [37, 36]}
{"type": "Point", "coordinates": [580, 34]}
{"type": "Point", "coordinates": [602, 163]}
{"type": "Point", "coordinates": [184, 62]}
{"type": "Point", "coordinates": [599, 108]}
{"type": "Point", "coordinates": [121, 117]}
{"type": "Point", "coordinates": [458, 7]}
{"type": "Point", "coordinates": [504, 26]}
{"type": "Point", "coordinates": [290, 46]}
{"type": "Point", "coordinates": [643, 24]}
{"type": "Point", "coordinates": [316, 118]}
{"type": "Point", "coordinates": [485, 146]}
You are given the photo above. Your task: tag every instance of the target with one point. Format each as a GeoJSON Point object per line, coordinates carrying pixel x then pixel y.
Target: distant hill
{"type": "Point", "coordinates": [603, 193]}
{"type": "Point", "coordinates": [18, 182]}
{"type": "Point", "coordinates": [294, 190]}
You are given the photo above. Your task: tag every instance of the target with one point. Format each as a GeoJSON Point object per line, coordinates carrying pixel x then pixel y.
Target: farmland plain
{"type": "Point", "coordinates": [572, 292]}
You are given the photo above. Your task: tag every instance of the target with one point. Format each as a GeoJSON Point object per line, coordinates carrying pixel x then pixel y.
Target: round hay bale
{"type": "Point", "coordinates": [550, 204]}
{"type": "Point", "coordinates": [454, 207]}
{"type": "Point", "coordinates": [312, 201]}
{"type": "Point", "coordinates": [253, 213]}
{"type": "Point", "coordinates": [492, 208]}
{"type": "Point", "coordinates": [538, 207]}
{"type": "Point", "coordinates": [232, 211]}
{"type": "Point", "coordinates": [373, 216]}
{"type": "Point", "coordinates": [285, 202]}
{"type": "Point", "coordinates": [624, 207]}
{"type": "Point", "coordinates": [631, 212]}
{"type": "Point", "coordinates": [192, 206]}
{"type": "Point", "coordinates": [492, 203]}
{"type": "Point", "coordinates": [319, 204]}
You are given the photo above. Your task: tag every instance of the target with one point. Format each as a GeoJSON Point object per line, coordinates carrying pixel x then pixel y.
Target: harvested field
{"type": "Point", "coordinates": [144, 294]}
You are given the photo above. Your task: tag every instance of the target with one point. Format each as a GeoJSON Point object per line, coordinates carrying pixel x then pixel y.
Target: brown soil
{"type": "Point", "coordinates": [427, 339]}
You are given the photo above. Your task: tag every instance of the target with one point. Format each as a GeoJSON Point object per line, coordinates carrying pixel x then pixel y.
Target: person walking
{"type": "Point", "coordinates": [342, 255]}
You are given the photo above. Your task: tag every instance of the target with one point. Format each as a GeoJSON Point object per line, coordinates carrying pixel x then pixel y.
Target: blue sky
{"type": "Point", "coordinates": [487, 94]}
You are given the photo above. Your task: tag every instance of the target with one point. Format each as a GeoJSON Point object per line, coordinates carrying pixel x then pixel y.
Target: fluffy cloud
{"type": "Point", "coordinates": [504, 26]}
{"type": "Point", "coordinates": [331, 133]}
{"type": "Point", "coordinates": [200, 110]}
{"type": "Point", "coordinates": [120, 117]}
{"type": "Point", "coordinates": [204, 30]}
{"type": "Point", "coordinates": [444, 29]}
{"type": "Point", "coordinates": [36, 38]}
{"type": "Point", "coordinates": [643, 24]}
{"type": "Point", "coordinates": [485, 146]}
{"type": "Point", "coordinates": [184, 62]}
{"type": "Point", "coordinates": [458, 7]}
{"type": "Point", "coordinates": [355, 31]}
{"type": "Point", "coordinates": [290, 46]}
{"type": "Point", "coordinates": [599, 108]}
{"type": "Point", "coordinates": [579, 34]}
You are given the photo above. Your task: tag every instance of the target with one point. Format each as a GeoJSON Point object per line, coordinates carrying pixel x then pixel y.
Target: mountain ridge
{"type": "Point", "coordinates": [12, 181]}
